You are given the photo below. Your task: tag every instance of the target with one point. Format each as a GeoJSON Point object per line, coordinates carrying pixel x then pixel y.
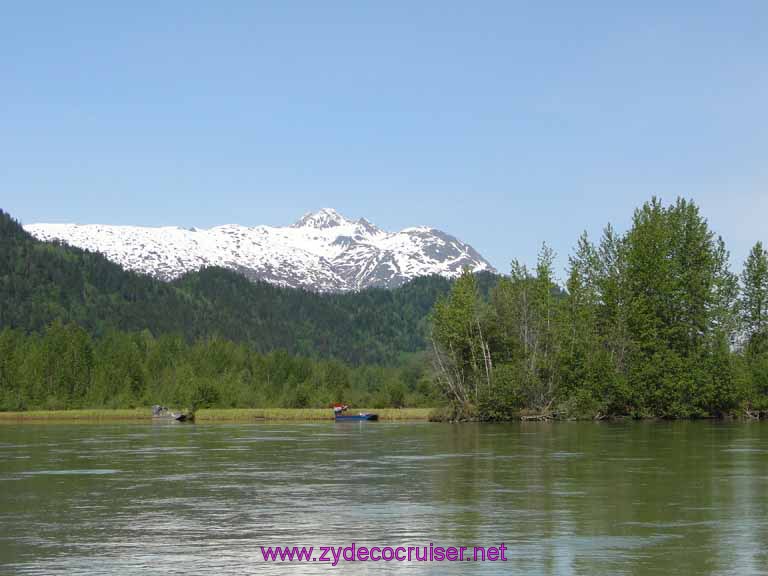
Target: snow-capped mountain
{"type": "Point", "coordinates": [322, 251]}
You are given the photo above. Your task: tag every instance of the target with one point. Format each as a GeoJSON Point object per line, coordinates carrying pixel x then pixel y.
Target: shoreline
{"type": "Point", "coordinates": [246, 415]}
{"type": "Point", "coordinates": [210, 415]}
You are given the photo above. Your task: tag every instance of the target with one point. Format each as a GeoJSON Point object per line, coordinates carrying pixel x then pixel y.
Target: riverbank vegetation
{"type": "Point", "coordinates": [651, 323]}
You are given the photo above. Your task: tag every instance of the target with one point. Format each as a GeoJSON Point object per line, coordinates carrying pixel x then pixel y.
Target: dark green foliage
{"type": "Point", "coordinates": [42, 282]}
{"type": "Point", "coordinates": [63, 367]}
{"type": "Point", "coordinates": [680, 311]}
{"type": "Point", "coordinates": [754, 302]}
{"type": "Point", "coordinates": [752, 370]}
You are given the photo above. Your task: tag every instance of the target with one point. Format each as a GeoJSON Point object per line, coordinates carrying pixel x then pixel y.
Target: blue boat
{"type": "Point", "coordinates": [351, 417]}
{"type": "Point", "coordinates": [339, 409]}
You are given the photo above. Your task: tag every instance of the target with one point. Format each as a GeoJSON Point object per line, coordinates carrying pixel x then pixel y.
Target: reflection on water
{"type": "Point", "coordinates": [566, 498]}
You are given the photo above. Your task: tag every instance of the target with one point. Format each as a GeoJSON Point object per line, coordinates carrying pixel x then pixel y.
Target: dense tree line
{"type": "Point", "coordinates": [63, 367]}
{"type": "Point", "coordinates": [651, 323]}
{"type": "Point", "coordinates": [44, 282]}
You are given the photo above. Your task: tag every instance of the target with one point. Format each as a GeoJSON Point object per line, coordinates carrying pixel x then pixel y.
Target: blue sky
{"type": "Point", "coordinates": [505, 123]}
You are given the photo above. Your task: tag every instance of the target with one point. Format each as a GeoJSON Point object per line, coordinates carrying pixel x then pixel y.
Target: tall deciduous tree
{"type": "Point", "coordinates": [588, 363]}
{"type": "Point", "coordinates": [754, 300]}
{"type": "Point", "coordinates": [461, 353]}
{"type": "Point", "coordinates": [680, 310]}
{"type": "Point", "coordinates": [527, 313]}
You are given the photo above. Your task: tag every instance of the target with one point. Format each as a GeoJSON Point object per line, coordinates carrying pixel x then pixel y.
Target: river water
{"type": "Point", "coordinates": [564, 498]}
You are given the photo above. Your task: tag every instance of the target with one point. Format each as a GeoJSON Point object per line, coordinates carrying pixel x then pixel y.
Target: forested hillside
{"type": "Point", "coordinates": [42, 282]}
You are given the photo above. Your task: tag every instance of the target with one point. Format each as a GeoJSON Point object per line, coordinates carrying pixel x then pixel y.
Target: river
{"type": "Point", "coordinates": [563, 498]}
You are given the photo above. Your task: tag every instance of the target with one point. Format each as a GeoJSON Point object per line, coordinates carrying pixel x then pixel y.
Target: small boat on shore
{"type": "Point", "coordinates": [163, 413]}
{"type": "Point", "coordinates": [339, 409]}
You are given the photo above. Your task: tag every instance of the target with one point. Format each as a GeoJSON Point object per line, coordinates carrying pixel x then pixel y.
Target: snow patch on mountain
{"type": "Point", "coordinates": [322, 251]}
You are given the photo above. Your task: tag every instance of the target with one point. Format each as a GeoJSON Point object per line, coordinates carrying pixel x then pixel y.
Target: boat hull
{"type": "Point", "coordinates": [356, 417]}
{"type": "Point", "coordinates": [173, 418]}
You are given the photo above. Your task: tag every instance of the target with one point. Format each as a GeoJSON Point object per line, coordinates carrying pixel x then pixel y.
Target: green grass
{"type": "Point", "coordinates": [212, 414]}
{"type": "Point", "coordinates": [87, 414]}
{"type": "Point", "coordinates": [299, 414]}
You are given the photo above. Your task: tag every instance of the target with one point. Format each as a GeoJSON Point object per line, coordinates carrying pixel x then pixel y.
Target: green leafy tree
{"type": "Point", "coordinates": [461, 355]}
{"type": "Point", "coordinates": [679, 298]}
{"type": "Point", "coordinates": [753, 311]}
{"type": "Point", "coordinates": [754, 300]}
{"type": "Point", "coordinates": [527, 312]}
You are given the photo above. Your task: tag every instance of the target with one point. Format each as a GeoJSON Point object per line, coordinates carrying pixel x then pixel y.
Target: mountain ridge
{"type": "Point", "coordinates": [322, 251]}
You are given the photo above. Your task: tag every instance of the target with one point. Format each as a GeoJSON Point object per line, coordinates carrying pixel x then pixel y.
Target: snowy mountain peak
{"type": "Point", "coordinates": [322, 251]}
{"type": "Point", "coordinates": [322, 219]}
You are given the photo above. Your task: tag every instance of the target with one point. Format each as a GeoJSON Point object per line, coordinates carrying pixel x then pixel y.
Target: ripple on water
{"type": "Point", "coordinates": [427, 457]}
{"type": "Point", "coordinates": [565, 455]}
{"type": "Point", "coordinates": [265, 439]}
{"type": "Point", "coordinates": [81, 472]}
{"type": "Point", "coordinates": [671, 524]}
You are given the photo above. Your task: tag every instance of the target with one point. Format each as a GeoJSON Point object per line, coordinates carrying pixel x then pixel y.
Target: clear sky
{"type": "Point", "coordinates": [504, 123]}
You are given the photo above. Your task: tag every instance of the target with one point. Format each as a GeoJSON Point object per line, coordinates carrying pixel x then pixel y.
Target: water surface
{"type": "Point", "coordinates": [565, 498]}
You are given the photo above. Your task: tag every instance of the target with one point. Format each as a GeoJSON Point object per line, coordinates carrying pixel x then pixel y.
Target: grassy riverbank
{"type": "Point", "coordinates": [248, 414]}
{"type": "Point", "coordinates": [212, 415]}
{"type": "Point", "coordinates": [94, 414]}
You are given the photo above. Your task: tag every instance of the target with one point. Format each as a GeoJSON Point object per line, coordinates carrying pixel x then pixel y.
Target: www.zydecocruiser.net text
{"type": "Point", "coordinates": [333, 555]}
